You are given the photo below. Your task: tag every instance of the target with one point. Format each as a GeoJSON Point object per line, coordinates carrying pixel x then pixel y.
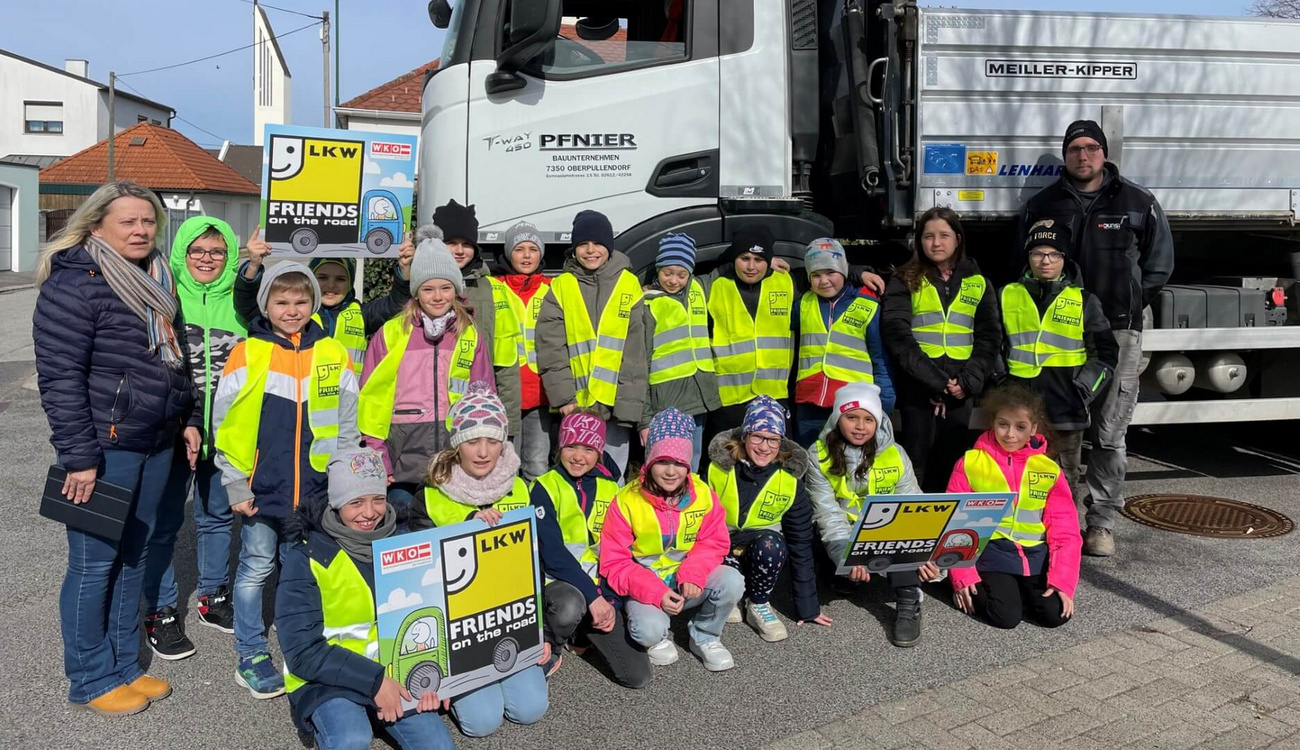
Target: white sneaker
{"type": "Point", "coordinates": [733, 616]}
{"type": "Point", "coordinates": [663, 653]}
{"type": "Point", "coordinates": [762, 618]}
{"type": "Point", "coordinates": [715, 656]}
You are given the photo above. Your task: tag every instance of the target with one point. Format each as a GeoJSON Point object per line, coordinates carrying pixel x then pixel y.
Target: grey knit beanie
{"type": "Point", "coordinates": [356, 473]}
{"type": "Point", "coordinates": [284, 268]}
{"type": "Point", "coordinates": [523, 232]}
{"type": "Point", "coordinates": [825, 254]}
{"type": "Point", "coordinates": [433, 260]}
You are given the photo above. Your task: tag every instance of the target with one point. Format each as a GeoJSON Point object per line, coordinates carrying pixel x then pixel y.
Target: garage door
{"type": "Point", "coordinates": [6, 228]}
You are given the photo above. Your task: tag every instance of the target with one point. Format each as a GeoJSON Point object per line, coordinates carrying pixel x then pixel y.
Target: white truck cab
{"type": "Point", "coordinates": [852, 117]}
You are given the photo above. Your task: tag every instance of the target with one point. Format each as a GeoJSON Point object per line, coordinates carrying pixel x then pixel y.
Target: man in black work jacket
{"type": "Point", "coordinates": [1125, 250]}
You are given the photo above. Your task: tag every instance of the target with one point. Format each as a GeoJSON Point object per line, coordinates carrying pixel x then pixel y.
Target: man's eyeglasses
{"type": "Point", "coordinates": [1091, 149]}
{"type": "Point", "coordinates": [756, 440]}
{"type": "Point", "coordinates": [1046, 257]}
{"type": "Point", "coordinates": [197, 254]}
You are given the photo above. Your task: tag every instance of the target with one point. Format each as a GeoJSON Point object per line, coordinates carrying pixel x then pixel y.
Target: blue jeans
{"type": "Point", "coordinates": [99, 603]}
{"type": "Point", "coordinates": [400, 496]}
{"type": "Point", "coordinates": [648, 624]}
{"type": "Point", "coordinates": [341, 724]}
{"type": "Point", "coordinates": [259, 546]}
{"type": "Point", "coordinates": [212, 521]}
{"type": "Point", "coordinates": [521, 698]}
{"type": "Point", "coordinates": [809, 420]}
{"type": "Point", "coordinates": [697, 441]}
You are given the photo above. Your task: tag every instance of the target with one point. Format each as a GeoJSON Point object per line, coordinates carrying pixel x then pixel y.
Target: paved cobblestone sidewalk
{"type": "Point", "coordinates": [1224, 677]}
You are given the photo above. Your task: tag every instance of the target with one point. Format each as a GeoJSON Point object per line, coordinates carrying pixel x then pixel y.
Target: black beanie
{"type": "Point", "coordinates": [592, 226]}
{"type": "Point", "coordinates": [756, 239]}
{"type": "Point", "coordinates": [1050, 233]}
{"type": "Point", "coordinates": [457, 221]}
{"type": "Point", "coordinates": [1084, 129]}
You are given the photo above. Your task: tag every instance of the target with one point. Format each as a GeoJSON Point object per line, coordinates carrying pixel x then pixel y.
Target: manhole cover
{"type": "Point", "coordinates": [1207, 516]}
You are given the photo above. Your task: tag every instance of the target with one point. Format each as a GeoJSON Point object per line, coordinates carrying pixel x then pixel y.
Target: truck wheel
{"type": "Point", "coordinates": [505, 654]}
{"type": "Point", "coordinates": [378, 241]}
{"type": "Point", "coordinates": [948, 559]}
{"type": "Point", "coordinates": [303, 240]}
{"type": "Point", "coordinates": [423, 678]}
{"type": "Point", "coordinates": [877, 564]}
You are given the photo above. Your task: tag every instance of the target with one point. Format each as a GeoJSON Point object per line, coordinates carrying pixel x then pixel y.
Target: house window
{"type": "Point", "coordinates": [43, 117]}
{"type": "Point", "coordinates": [141, 118]}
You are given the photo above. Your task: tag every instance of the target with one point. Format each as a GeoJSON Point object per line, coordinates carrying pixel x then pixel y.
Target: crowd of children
{"type": "Point", "coordinates": [326, 424]}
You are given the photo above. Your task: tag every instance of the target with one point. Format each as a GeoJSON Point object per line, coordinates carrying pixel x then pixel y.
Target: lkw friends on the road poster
{"type": "Point", "coordinates": [904, 532]}
{"type": "Point", "coordinates": [336, 193]}
{"type": "Point", "coordinates": [460, 606]}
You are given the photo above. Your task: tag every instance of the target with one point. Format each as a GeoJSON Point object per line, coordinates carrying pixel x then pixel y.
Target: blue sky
{"type": "Point", "coordinates": [381, 39]}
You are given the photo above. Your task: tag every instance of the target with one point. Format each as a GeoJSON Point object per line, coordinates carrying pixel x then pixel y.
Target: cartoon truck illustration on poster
{"type": "Point", "coordinates": [956, 546]}
{"type": "Point", "coordinates": [314, 197]}
{"type": "Point", "coordinates": [900, 532]}
{"type": "Point", "coordinates": [420, 659]}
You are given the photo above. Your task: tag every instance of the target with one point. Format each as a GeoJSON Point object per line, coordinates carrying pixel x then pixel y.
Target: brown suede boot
{"type": "Point", "coordinates": [151, 687]}
{"type": "Point", "coordinates": [120, 701]}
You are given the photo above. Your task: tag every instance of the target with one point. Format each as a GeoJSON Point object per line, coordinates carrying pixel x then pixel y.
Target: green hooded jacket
{"type": "Point", "coordinates": [211, 326]}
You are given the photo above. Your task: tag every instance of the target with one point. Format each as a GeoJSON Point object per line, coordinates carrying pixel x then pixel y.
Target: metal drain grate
{"type": "Point", "coordinates": [1207, 516]}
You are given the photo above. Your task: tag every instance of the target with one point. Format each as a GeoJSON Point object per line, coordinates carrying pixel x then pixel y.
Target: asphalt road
{"type": "Point", "coordinates": [817, 676]}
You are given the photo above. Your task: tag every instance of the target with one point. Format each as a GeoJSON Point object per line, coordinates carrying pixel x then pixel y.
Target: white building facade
{"type": "Point", "coordinates": [48, 111]}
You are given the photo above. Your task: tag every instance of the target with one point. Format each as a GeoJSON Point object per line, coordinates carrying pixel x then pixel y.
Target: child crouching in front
{"type": "Point", "coordinates": [1031, 565]}
{"type": "Point", "coordinates": [478, 479]}
{"type": "Point", "coordinates": [662, 547]}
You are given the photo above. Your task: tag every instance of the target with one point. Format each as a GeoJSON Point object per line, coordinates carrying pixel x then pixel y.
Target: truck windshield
{"type": "Point", "coordinates": [453, 32]}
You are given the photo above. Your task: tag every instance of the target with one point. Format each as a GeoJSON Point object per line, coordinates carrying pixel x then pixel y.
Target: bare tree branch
{"type": "Point", "coordinates": [1275, 8]}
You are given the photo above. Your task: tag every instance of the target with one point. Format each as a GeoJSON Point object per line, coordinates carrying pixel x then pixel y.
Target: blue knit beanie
{"type": "Point", "coordinates": [764, 414]}
{"type": "Point", "coordinates": [676, 250]}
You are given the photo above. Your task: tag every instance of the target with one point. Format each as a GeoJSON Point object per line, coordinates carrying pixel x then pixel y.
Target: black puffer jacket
{"type": "Point", "coordinates": [796, 524]}
{"type": "Point", "coordinates": [101, 387]}
{"type": "Point", "coordinates": [1121, 242]}
{"type": "Point", "coordinates": [916, 376]}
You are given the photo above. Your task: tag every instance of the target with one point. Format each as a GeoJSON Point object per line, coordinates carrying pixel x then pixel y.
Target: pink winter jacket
{"type": "Point", "coordinates": [629, 578]}
{"type": "Point", "coordinates": [419, 398]}
{"type": "Point", "coordinates": [1064, 541]}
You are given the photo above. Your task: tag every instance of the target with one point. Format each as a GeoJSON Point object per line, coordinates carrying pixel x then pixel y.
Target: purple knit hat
{"type": "Point", "coordinates": [764, 414]}
{"type": "Point", "coordinates": [671, 438]}
{"type": "Point", "coordinates": [479, 413]}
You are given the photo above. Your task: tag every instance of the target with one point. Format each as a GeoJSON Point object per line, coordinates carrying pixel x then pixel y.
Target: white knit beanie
{"type": "Point", "coordinates": [859, 396]}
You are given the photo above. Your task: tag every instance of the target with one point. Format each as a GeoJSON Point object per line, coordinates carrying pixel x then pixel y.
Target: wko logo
{"type": "Point", "coordinates": [412, 556]}
{"type": "Point", "coordinates": [384, 150]}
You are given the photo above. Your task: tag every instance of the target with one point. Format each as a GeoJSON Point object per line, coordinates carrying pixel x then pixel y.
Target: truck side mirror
{"type": "Point", "coordinates": [533, 27]}
{"type": "Point", "coordinates": [440, 13]}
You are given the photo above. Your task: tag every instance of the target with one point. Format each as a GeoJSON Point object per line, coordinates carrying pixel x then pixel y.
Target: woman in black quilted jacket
{"type": "Point", "coordinates": [115, 389]}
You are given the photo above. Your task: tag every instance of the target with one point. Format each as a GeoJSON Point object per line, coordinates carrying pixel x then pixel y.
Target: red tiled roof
{"type": "Point", "coordinates": [165, 160]}
{"type": "Point", "coordinates": [402, 94]}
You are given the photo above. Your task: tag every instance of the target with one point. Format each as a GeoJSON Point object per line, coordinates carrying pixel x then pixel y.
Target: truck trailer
{"type": "Point", "coordinates": [850, 118]}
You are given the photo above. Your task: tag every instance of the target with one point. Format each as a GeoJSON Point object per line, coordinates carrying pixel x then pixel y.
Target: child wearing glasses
{"type": "Point", "coordinates": [1058, 340]}
{"type": "Point", "coordinates": [757, 474]}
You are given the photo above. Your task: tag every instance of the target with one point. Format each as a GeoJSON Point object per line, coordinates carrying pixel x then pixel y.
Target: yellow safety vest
{"type": "Point", "coordinates": [680, 346]}
{"type": "Point", "coordinates": [526, 314]}
{"type": "Point", "coordinates": [648, 539]}
{"type": "Point", "coordinates": [581, 531]}
{"type": "Point", "coordinates": [769, 506]}
{"type": "Point", "coordinates": [507, 341]}
{"type": "Point", "coordinates": [886, 471]}
{"type": "Point", "coordinates": [1024, 524]}
{"type": "Point", "coordinates": [375, 405]}
{"type": "Point", "coordinates": [444, 511]}
{"type": "Point", "coordinates": [948, 333]}
{"type": "Point", "coordinates": [840, 353]}
{"type": "Point", "coordinates": [752, 356]}
{"type": "Point", "coordinates": [1055, 340]}
{"type": "Point", "coordinates": [348, 610]}
{"type": "Point", "coordinates": [350, 331]}
{"type": "Point", "coordinates": [237, 438]}
{"type": "Point", "coordinates": [595, 357]}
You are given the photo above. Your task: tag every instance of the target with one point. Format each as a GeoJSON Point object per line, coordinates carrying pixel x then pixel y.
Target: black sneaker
{"type": "Point", "coordinates": [166, 636]}
{"type": "Point", "coordinates": [217, 611]}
